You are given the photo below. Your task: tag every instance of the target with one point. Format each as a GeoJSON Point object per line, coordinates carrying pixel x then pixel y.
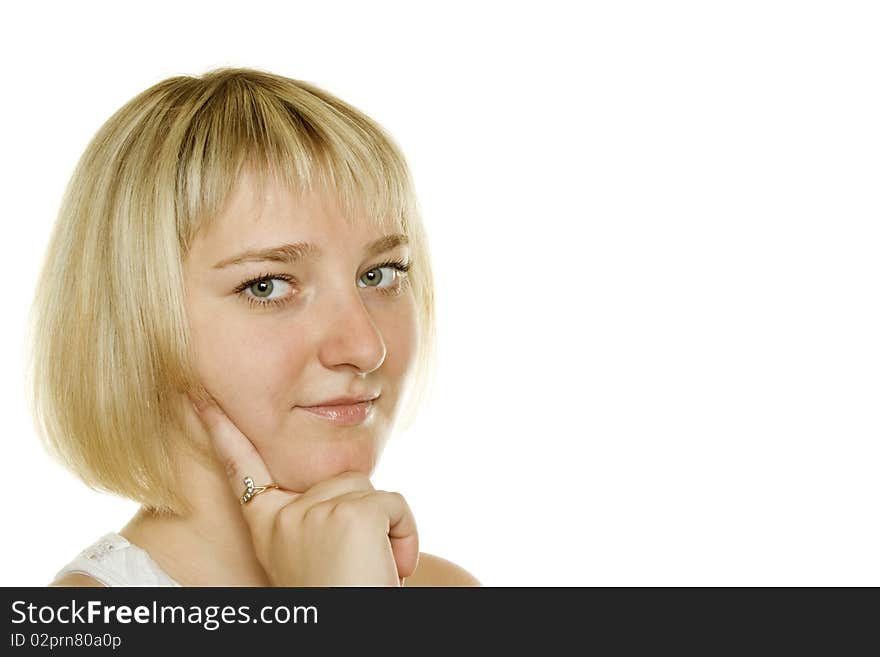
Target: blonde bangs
{"type": "Point", "coordinates": [109, 347]}
{"type": "Point", "coordinates": [295, 135]}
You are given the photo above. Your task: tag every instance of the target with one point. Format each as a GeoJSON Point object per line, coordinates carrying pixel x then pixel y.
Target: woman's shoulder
{"type": "Point", "coordinates": [112, 561]}
{"type": "Point", "coordinates": [436, 571]}
{"type": "Point", "coordinates": [75, 579]}
{"type": "Point", "coordinates": [430, 571]}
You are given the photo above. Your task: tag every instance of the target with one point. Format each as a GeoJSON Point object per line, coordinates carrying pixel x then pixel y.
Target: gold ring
{"type": "Point", "coordinates": [250, 491]}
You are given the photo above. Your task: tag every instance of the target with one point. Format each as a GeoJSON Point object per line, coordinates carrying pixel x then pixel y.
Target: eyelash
{"type": "Point", "coordinates": [401, 266]}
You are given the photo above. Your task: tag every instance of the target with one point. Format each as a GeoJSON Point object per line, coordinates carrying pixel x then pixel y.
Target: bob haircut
{"type": "Point", "coordinates": [109, 349]}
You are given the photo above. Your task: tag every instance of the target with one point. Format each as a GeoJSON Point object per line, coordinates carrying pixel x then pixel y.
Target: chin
{"type": "Point", "coordinates": [325, 457]}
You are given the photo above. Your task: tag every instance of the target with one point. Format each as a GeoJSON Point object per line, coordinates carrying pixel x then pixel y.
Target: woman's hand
{"type": "Point", "coordinates": [340, 532]}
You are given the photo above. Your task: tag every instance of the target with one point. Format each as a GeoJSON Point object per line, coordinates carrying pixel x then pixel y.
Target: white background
{"type": "Point", "coordinates": [655, 230]}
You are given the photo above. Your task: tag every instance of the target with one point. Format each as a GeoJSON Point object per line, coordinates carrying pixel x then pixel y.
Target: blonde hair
{"type": "Point", "coordinates": [109, 348]}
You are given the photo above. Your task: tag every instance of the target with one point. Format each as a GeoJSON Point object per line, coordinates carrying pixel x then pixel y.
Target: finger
{"type": "Point", "coordinates": [340, 485]}
{"type": "Point", "coordinates": [236, 452]}
{"type": "Point", "coordinates": [402, 530]}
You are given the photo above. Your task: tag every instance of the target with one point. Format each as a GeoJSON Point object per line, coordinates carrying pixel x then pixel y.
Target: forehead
{"type": "Point", "coordinates": [256, 215]}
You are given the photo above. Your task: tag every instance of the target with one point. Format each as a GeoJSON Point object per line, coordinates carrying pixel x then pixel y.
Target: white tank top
{"type": "Point", "coordinates": [113, 561]}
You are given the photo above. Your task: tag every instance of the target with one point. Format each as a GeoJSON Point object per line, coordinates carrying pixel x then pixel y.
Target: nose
{"type": "Point", "coordinates": [348, 337]}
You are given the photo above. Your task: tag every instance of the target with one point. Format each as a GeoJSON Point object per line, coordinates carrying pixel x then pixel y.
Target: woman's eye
{"type": "Point", "coordinates": [375, 277]}
{"type": "Point", "coordinates": [264, 289]}
{"type": "Point", "coordinates": [388, 277]}
{"type": "Point", "coordinates": [267, 290]}
{"type": "Point", "coordinates": [270, 289]}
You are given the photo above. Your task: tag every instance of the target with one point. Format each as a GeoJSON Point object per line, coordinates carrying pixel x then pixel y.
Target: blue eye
{"type": "Point", "coordinates": [386, 278]}
{"type": "Point", "coordinates": [265, 284]}
{"type": "Point", "coordinates": [397, 272]}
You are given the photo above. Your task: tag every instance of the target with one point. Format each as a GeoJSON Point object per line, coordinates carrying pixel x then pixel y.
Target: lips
{"type": "Point", "coordinates": [343, 411]}
{"type": "Point", "coordinates": [343, 401]}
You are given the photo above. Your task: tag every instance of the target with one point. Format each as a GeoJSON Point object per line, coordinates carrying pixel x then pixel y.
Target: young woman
{"type": "Point", "coordinates": [236, 300]}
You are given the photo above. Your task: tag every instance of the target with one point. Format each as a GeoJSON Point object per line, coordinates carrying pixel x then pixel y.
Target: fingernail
{"type": "Point", "coordinates": [197, 404]}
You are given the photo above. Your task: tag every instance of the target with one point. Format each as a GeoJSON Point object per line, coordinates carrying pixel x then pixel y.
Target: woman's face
{"type": "Point", "coordinates": [335, 324]}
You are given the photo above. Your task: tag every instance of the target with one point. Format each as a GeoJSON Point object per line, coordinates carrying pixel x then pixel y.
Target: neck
{"type": "Point", "coordinates": [211, 546]}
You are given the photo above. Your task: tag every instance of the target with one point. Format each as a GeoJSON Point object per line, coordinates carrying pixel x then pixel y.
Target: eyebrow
{"type": "Point", "coordinates": [292, 253]}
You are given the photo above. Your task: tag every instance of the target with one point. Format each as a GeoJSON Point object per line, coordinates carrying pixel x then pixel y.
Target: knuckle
{"type": "Point", "coordinates": [315, 514]}
{"type": "Point", "coordinates": [355, 512]}
{"type": "Point", "coordinates": [278, 523]}
{"type": "Point", "coordinates": [344, 512]}
{"type": "Point", "coordinates": [395, 497]}
{"type": "Point", "coordinates": [286, 520]}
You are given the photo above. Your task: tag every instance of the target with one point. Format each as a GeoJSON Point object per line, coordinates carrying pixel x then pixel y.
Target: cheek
{"type": "Point", "coordinates": [250, 368]}
{"type": "Point", "coordinates": [400, 331]}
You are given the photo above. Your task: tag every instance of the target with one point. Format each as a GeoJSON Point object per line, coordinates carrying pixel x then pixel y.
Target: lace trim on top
{"type": "Point", "coordinates": [114, 561]}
